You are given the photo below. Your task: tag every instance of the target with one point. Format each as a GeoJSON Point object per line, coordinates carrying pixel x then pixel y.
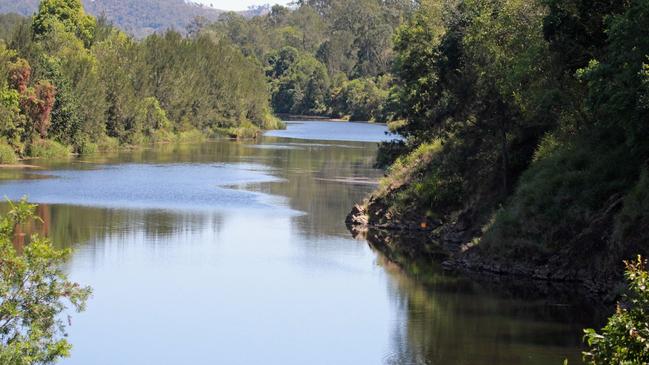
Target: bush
{"type": "Point", "coordinates": [35, 294]}
{"type": "Point", "coordinates": [246, 130]}
{"type": "Point", "coordinates": [389, 152]}
{"type": "Point", "coordinates": [108, 144]}
{"type": "Point", "coordinates": [632, 222]}
{"type": "Point", "coordinates": [271, 122]}
{"type": "Point", "coordinates": [409, 168]}
{"type": "Point", "coordinates": [162, 136]}
{"type": "Point", "coordinates": [625, 338]}
{"type": "Point", "coordinates": [559, 195]}
{"type": "Point", "coordinates": [191, 136]}
{"type": "Point", "coordinates": [45, 148]}
{"type": "Point", "coordinates": [7, 155]}
{"type": "Point", "coordinates": [361, 100]}
{"type": "Point", "coordinates": [85, 147]}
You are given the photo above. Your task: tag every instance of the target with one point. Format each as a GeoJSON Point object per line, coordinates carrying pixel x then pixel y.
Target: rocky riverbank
{"type": "Point", "coordinates": [411, 239]}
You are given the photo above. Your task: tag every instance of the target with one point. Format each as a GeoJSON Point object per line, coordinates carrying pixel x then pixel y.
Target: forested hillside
{"type": "Point", "coordinates": [71, 83]}
{"type": "Point", "coordinates": [136, 17]}
{"type": "Point", "coordinates": [330, 57]}
{"type": "Point", "coordinates": [526, 133]}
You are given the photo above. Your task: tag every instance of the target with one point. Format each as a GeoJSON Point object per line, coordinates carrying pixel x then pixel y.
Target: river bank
{"type": "Point", "coordinates": [413, 238]}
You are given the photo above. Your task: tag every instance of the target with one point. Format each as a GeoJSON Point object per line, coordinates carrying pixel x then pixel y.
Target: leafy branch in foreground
{"type": "Point", "coordinates": [625, 338]}
{"type": "Point", "coordinates": [34, 294]}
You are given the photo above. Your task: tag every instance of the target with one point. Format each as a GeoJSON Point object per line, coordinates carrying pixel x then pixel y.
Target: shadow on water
{"type": "Point", "coordinates": [453, 318]}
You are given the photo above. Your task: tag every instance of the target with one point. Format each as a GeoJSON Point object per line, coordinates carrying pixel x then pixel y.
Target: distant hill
{"type": "Point", "coordinates": [143, 17]}
{"type": "Point", "coordinates": [137, 17]}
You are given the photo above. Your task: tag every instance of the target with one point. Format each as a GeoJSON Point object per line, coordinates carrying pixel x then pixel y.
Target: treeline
{"type": "Point", "coordinates": [526, 133]}
{"type": "Point", "coordinates": [323, 57]}
{"type": "Point", "coordinates": [70, 81]}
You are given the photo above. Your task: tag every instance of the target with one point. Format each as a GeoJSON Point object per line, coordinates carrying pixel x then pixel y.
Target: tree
{"type": "Point", "coordinates": [576, 29]}
{"type": "Point", "coordinates": [303, 87]}
{"type": "Point", "coordinates": [353, 38]}
{"type": "Point", "coordinates": [70, 14]}
{"type": "Point", "coordinates": [34, 293]}
{"type": "Point", "coordinates": [19, 75]}
{"type": "Point", "coordinates": [38, 104]}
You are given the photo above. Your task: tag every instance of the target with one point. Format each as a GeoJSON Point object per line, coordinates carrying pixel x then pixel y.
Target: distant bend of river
{"type": "Point", "coordinates": [236, 253]}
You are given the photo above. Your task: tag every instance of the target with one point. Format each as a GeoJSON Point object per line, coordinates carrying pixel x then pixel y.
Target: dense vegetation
{"type": "Point", "coordinates": [625, 338]}
{"type": "Point", "coordinates": [69, 81]}
{"type": "Point", "coordinates": [525, 134]}
{"type": "Point", "coordinates": [34, 293]}
{"type": "Point", "coordinates": [323, 57]}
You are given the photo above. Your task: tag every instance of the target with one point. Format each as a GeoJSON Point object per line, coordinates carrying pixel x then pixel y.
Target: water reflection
{"type": "Point", "coordinates": [455, 319]}
{"type": "Point", "coordinates": [273, 277]}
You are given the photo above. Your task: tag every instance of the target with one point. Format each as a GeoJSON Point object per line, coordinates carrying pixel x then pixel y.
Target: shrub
{"type": "Point", "coordinates": [162, 136]}
{"type": "Point", "coordinates": [559, 195]}
{"type": "Point", "coordinates": [246, 130]}
{"type": "Point", "coordinates": [108, 144]}
{"type": "Point", "coordinates": [271, 122]}
{"type": "Point", "coordinates": [45, 148]}
{"type": "Point", "coordinates": [35, 294]}
{"type": "Point", "coordinates": [632, 222]}
{"type": "Point", "coordinates": [625, 338]}
{"type": "Point", "coordinates": [406, 168]}
{"type": "Point", "coordinates": [7, 155]}
{"type": "Point", "coordinates": [86, 147]}
{"type": "Point", "coordinates": [191, 136]}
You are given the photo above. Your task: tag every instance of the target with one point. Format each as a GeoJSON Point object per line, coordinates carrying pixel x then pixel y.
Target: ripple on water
{"type": "Point", "coordinates": [194, 187]}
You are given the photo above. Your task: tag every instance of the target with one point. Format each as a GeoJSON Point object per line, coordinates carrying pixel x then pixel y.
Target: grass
{"type": "Point", "coordinates": [162, 136]}
{"type": "Point", "coordinates": [559, 196]}
{"type": "Point", "coordinates": [108, 144]}
{"type": "Point", "coordinates": [48, 149]}
{"type": "Point", "coordinates": [192, 135]}
{"type": "Point", "coordinates": [7, 155]}
{"type": "Point", "coordinates": [272, 123]}
{"type": "Point", "coordinates": [245, 130]}
{"type": "Point", "coordinates": [406, 168]}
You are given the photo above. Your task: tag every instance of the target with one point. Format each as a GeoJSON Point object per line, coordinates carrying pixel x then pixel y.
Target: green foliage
{"type": "Point", "coordinates": [307, 47]}
{"type": "Point", "coordinates": [625, 338]}
{"type": "Point", "coordinates": [34, 293]}
{"type": "Point", "coordinates": [107, 144]}
{"type": "Point", "coordinates": [70, 14]}
{"type": "Point", "coordinates": [418, 67]}
{"type": "Point", "coordinates": [7, 155]}
{"type": "Point", "coordinates": [12, 123]}
{"type": "Point", "coordinates": [246, 130]}
{"type": "Point", "coordinates": [191, 136]}
{"type": "Point", "coordinates": [556, 200]}
{"type": "Point", "coordinates": [151, 121]}
{"type": "Point", "coordinates": [583, 169]}
{"type": "Point", "coordinates": [576, 29]}
{"type": "Point", "coordinates": [406, 168]}
{"type": "Point", "coordinates": [84, 84]}
{"type": "Point", "coordinates": [540, 112]}
{"type": "Point", "coordinates": [363, 99]}
{"type": "Point", "coordinates": [302, 87]}
{"type": "Point", "coordinates": [48, 149]}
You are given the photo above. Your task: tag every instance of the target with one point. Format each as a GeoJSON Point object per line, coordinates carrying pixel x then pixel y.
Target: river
{"type": "Point", "coordinates": [236, 253]}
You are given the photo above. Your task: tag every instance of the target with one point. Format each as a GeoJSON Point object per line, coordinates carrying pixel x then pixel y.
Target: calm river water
{"type": "Point", "coordinates": [237, 253]}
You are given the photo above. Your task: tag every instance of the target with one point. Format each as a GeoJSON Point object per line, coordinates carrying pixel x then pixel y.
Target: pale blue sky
{"type": "Point", "coordinates": [239, 4]}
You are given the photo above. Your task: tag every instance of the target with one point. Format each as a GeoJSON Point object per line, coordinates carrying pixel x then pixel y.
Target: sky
{"type": "Point", "coordinates": [239, 4]}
